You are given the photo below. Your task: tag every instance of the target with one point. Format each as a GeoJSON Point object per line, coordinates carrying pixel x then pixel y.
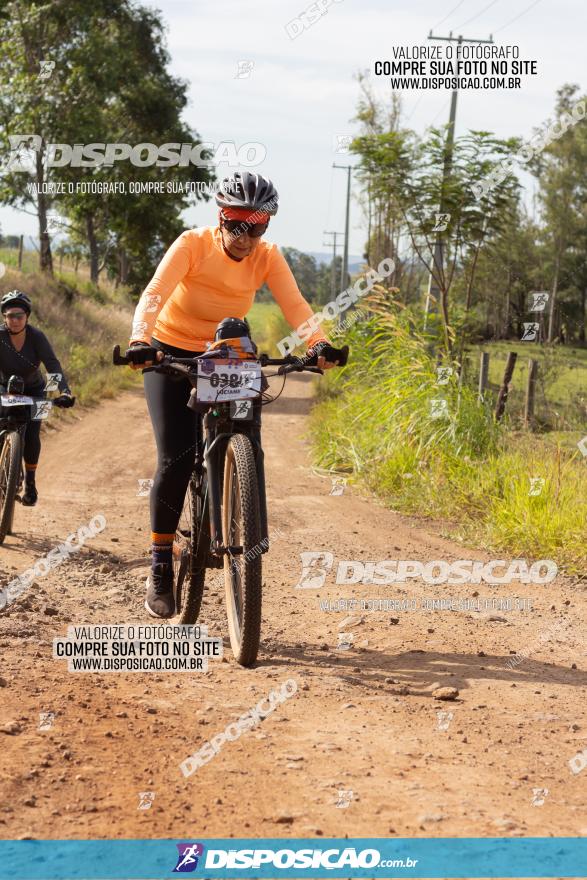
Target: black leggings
{"type": "Point", "coordinates": [32, 437]}
{"type": "Point", "coordinates": [176, 430]}
{"type": "Point", "coordinates": [32, 443]}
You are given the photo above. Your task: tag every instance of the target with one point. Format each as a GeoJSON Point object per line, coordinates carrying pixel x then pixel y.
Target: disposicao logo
{"type": "Point", "coordinates": [187, 860]}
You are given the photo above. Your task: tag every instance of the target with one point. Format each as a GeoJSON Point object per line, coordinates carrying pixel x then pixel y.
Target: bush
{"type": "Point", "coordinates": [376, 421]}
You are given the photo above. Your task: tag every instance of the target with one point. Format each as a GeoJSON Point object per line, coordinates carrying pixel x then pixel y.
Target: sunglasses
{"type": "Point", "coordinates": [239, 227]}
{"type": "Point", "coordinates": [14, 316]}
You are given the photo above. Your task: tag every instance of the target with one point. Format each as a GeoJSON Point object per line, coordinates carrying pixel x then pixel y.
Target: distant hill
{"type": "Point", "coordinates": [355, 262]}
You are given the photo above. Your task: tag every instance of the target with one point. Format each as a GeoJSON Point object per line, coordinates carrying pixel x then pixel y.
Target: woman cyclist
{"type": "Point", "coordinates": [207, 274]}
{"type": "Point", "coordinates": [23, 348]}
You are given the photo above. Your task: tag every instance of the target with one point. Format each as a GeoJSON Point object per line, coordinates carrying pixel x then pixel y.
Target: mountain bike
{"type": "Point", "coordinates": [16, 410]}
{"type": "Point", "coordinates": [224, 520]}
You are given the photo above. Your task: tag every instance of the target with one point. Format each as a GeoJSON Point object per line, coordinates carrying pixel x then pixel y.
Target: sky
{"type": "Point", "coordinates": [297, 97]}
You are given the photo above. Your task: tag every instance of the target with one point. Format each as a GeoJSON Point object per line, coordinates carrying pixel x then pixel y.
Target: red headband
{"type": "Point", "coordinates": [244, 214]}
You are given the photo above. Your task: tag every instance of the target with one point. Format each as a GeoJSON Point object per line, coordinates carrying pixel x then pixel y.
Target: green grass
{"type": "Point", "coordinates": [30, 260]}
{"type": "Point", "coordinates": [268, 326]}
{"type": "Point", "coordinates": [64, 268]}
{"type": "Point", "coordinates": [374, 422]}
{"type": "Point", "coordinates": [82, 331]}
{"type": "Point", "coordinates": [561, 388]}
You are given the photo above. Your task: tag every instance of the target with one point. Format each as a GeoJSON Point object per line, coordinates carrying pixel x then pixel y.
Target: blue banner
{"type": "Point", "coordinates": [227, 857]}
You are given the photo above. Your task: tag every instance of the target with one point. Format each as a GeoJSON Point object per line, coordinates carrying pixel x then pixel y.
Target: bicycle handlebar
{"type": "Point", "coordinates": [287, 364]}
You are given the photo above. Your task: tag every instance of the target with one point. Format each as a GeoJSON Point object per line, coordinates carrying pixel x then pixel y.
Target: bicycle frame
{"type": "Point", "coordinates": [223, 521]}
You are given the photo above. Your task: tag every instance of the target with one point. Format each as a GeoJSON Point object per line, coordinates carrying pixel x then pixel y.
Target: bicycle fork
{"type": "Point", "coordinates": [214, 453]}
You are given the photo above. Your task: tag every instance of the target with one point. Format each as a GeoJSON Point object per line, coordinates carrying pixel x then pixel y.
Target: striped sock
{"type": "Point", "coordinates": [29, 473]}
{"type": "Point", "coordinates": [161, 549]}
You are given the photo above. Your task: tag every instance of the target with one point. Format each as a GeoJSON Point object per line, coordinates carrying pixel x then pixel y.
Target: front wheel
{"type": "Point", "coordinates": [10, 456]}
{"type": "Point", "coordinates": [241, 528]}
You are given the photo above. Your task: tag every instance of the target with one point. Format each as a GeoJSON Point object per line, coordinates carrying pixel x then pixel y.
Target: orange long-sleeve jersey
{"type": "Point", "coordinates": [197, 284]}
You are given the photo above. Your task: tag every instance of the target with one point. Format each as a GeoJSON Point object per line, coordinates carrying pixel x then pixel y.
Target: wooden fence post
{"type": "Point", "coordinates": [530, 393]}
{"type": "Point", "coordinates": [463, 369]}
{"type": "Point", "coordinates": [20, 241]}
{"type": "Point", "coordinates": [505, 385]}
{"type": "Point", "coordinates": [483, 374]}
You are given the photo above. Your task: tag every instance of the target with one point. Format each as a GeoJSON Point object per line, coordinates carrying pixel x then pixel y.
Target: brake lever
{"type": "Point", "coordinates": [284, 369]}
{"type": "Point", "coordinates": [298, 368]}
{"type": "Point", "coordinates": [182, 368]}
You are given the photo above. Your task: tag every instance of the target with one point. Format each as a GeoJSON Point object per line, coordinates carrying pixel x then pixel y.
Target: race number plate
{"type": "Point", "coordinates": [223, 379]}
{"type": "Point", "coordinates": [40, 410]}
{"type": "Point", "coordinates": [15, 400]}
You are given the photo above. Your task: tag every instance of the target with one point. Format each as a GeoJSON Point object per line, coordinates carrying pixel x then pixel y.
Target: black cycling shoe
{"type": "Point", "coordinates": [30, 497]}
{"type": "Point", "coordinates": [160, 601]}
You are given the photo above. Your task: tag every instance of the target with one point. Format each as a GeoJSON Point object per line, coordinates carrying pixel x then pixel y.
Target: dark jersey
{"type": "Point", "coordinates": [36, 350]}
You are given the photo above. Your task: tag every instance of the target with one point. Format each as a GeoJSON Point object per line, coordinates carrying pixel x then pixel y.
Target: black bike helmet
{"type": "Point", "coordinates": [16, 298]}
{"type": "Point", "coordinates": [248, 190]}
{"type": "Point", "coordinates": [232, 328]}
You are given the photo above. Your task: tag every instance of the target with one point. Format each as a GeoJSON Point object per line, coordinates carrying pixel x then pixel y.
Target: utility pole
{"type": "Point", "coordinates": [344, 273]}
{"type": "Point", "coordinates": [433, 293]}
{"type": "Point", "coordinates": [368, 254]}
{"type": "Point", "coordinates": [333, 267]}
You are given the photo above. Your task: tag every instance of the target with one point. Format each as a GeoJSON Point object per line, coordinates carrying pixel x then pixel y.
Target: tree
{"type": "Point", "coordinates": [508, 268]}
{"type": "Point", "coordinates": [328, 281]}
{"type": "Point", "coordinates": [305, 271]}
{"type": "Point", "coordinates": [109, 84]}
{"type": "Point", "coordinates": [560, 170]}
{"type": "Point", "coordinates": [411, 169]}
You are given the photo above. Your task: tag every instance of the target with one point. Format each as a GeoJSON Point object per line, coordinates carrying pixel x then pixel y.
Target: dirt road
{"type": "Point", "coordinates": [360, 750]}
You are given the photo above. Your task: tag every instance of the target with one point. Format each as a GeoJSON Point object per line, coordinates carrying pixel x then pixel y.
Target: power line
{"type": "Point", "coordinates": [444, 106]}
{"type": "Point", "coordinates": [414, 107]}
{"type": "Point", "coordinates": [442, 20]}
{"type": "Point", "coordinates": [532, 5]}
{"type": "Point", "coordinates": [485, 8]}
